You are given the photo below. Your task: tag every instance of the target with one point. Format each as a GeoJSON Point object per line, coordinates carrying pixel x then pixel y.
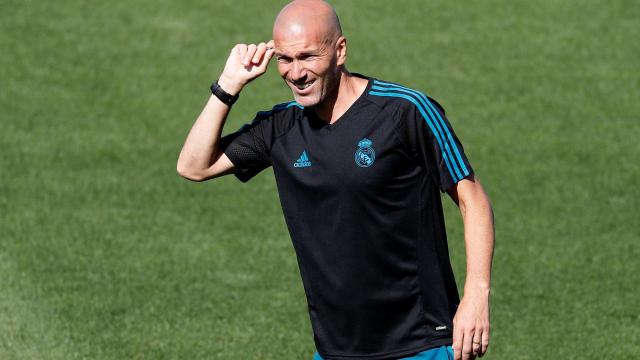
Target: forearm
{"type": "Point", "coordinates": [200, 158]}
{"type": "Point", "coordinates": [479, 241]}
{"type": "Point", "coordinates": [200, 149]}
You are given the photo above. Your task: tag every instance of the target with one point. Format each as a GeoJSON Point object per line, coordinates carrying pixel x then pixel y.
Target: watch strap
{"type": "Point", "coordinates": [224, 96]}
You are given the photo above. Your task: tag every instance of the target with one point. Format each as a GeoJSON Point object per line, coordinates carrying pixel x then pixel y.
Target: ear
{"type": "Point", "coordinates": [341, 50]}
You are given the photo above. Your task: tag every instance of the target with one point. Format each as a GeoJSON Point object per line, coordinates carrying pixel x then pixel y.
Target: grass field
{"type": "Point", "coordinates": [105, 253]}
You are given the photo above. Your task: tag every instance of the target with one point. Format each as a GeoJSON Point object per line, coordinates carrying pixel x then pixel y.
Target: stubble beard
{"type": "Point", "coordinates": [325, 95]}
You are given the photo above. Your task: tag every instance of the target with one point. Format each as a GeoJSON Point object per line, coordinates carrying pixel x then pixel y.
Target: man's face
{"type": "Point", "coordinates": [309, 67]}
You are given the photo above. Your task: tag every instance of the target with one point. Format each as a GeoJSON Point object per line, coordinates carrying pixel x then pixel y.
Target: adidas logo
{"type": "Point", "coordinates": [303, 161]}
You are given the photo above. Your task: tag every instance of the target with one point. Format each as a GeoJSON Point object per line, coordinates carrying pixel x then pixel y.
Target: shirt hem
{"type": "Point", "coordinates": [392, 354]}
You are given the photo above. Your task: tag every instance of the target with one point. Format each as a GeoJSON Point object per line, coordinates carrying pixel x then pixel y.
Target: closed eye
{"type": "Point", "coordinates": [301, 57]}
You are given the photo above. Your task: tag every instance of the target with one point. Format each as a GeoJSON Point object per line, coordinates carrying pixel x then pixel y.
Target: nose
{"type": "Point", "coordinates": [298, 71]}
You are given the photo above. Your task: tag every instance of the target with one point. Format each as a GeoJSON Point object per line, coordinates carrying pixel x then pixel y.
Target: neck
{"type": "Point", "coordinates": [347, 91]}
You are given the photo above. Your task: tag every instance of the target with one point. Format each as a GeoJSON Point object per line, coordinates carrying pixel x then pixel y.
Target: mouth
{"type": "Point", "coordinates": [302, 86]}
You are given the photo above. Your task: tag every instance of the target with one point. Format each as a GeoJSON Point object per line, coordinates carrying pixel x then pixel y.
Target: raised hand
{"type": "Point", "coordinates": [245, 63]}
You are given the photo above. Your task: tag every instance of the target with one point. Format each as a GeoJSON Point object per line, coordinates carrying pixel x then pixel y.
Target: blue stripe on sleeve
{"type": "Point", "coordinates": [279, 107]}
{"type": "Point", "coordinates": [431, 109]}
{"type": "Point", "coordinates": [429, 123]}
{"type": "Point", "coordinates": [435, 128]}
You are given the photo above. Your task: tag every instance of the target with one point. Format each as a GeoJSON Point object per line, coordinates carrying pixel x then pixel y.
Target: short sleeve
{"type": "Point", "coordinates": [248, 148]}
{"type": "Point", "coordinates": [433, 143]}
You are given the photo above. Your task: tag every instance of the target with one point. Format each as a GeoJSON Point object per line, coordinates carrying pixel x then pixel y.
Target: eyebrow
{"type": "Point", "coordinates": [300, 54]}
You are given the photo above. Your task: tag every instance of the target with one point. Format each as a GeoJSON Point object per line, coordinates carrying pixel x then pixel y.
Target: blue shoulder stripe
{"type": "Point", "coordinates": [425, 116]}
{"type": "Point", "coordinates": [435, 122]}
{"type": "Point", "coordinates": [287, 105]}
{"type": "Point", "coordinates": [279, 107]}
{"type": "Point", "coordinates": [440, 121]}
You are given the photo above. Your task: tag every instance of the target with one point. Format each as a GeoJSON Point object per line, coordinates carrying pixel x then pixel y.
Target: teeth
{"type": "Point", "coordinates": [303, 86]}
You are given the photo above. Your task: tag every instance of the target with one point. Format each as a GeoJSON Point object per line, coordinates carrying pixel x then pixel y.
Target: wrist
{"type": "Point", "coordinates": [480, 288]}
{"type": "Point", "coordinates": [477, 290]}
{"type": "Point", "coordinates": [229, 86]}
{"type": "Point", "coordinates": [223, 95]}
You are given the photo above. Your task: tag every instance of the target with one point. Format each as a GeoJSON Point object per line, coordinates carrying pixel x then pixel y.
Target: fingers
{"type": "Point", "coordinates": [471, 344]}
{"type": "Point", "coordinates": [237, 49]}
{"type": "Point", "coordinates": [257, 57]}
{"type": "Point", "coordinates": [476, 345]}
{"type": "Point", "coordinates": [247, 62]}
{"type": "Point", "coordinates": [464, 345]}
{"type": "Point", "coordinates": [485, 342]}
{"type": "Point", "coordinates": [240, 50]}
{"type": "Point", "coordinates": [467, 346]}
{"type": "Point", "coordinates": [253, 54]}
{"type": "Point", "coordinates": [267, 56]}
{"type": "Point", "coordinates": [248, 55]}
{"type": "Point", "coordinates": [457, 344]}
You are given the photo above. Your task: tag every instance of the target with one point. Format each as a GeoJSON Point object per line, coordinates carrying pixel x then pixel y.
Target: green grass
{"type": "Point", "coordinates": [105, 253]}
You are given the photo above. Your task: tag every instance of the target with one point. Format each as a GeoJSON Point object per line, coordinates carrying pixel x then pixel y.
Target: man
{"type": "Point", "coordinates": [359, 164]}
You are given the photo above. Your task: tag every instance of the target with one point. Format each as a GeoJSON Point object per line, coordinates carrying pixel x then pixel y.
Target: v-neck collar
{"type": "Point", "coordinates": [316, 122]}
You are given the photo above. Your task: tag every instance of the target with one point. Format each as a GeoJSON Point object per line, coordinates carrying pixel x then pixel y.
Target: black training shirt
{"type": "Point", "coordinates": [361, 199]}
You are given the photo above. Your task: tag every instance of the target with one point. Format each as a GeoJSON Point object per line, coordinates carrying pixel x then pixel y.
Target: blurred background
{"type": "Point", "coordinates": [106, 253]}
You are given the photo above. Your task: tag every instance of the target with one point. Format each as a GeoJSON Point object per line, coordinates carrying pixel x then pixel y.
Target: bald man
{"type": "Point", "coordinates": [359, 164]}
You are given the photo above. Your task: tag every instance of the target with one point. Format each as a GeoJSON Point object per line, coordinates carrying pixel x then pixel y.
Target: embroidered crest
{"type": "Point", "coordinates": [365, 155]}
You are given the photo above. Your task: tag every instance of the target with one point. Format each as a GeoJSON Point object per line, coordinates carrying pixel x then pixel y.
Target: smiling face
{"type": "Point", "coordinates": [309, 67]}
{"type": "Point", "coordinates": [310, 51]}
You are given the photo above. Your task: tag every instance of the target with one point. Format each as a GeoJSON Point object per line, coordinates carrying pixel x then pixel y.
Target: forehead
{"type": "Point", "coordinates": [297, 39]}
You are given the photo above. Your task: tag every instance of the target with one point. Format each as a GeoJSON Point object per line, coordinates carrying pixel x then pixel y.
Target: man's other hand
{"type": "Point", "coordinates": [471, 327]}
{"type": "Point", "coordinates": [245, 63]}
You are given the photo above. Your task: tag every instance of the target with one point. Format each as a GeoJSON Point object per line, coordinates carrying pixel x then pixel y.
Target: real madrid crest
{"type": "Point", "coordinates": [365, 155]}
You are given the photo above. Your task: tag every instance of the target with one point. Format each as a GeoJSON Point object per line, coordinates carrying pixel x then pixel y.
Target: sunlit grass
{"type": "Point", "coordinates": [105, 253]}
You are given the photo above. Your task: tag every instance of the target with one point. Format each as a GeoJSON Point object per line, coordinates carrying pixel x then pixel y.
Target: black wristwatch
{"type": "Point", "coordinates": [224, 96]}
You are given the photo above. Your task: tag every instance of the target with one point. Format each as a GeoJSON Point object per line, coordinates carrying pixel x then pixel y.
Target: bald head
{"type": "Point", "coordinates": [311, 53]}
{"type": "Point", "coordinates": [308, 18]}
